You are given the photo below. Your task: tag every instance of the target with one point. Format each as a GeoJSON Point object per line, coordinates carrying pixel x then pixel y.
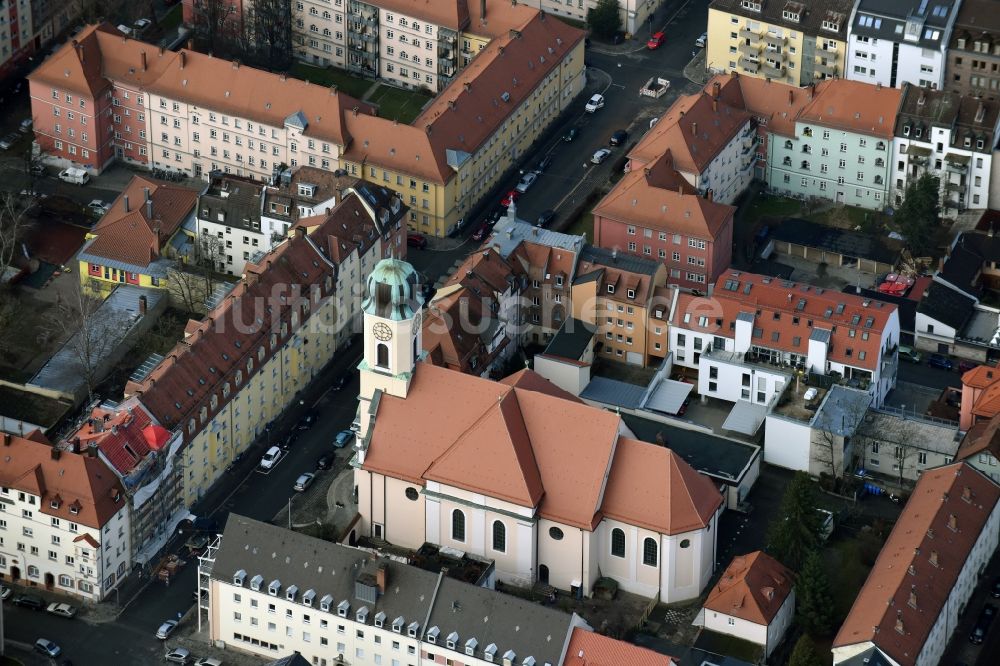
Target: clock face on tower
{"type": "Point", "coordinates": [382, 332]}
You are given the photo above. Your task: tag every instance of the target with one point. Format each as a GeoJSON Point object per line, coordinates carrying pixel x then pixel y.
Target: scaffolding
{"type": "Point", "coordinates": [206, 562]}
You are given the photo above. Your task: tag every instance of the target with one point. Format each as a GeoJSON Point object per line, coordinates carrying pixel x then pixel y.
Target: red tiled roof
{"type": "Point", "coordinates": [824, 308]}
{"type": "Point", "coordinates": [752, 588]}
{"type": "Point", "coordinates": [983, 436]}
{"type": "Point", "coordinates": [652, 487]}
{"type": "Point", "coordinates": [120, 435]}
{"type": "Point", "coordinates": [73, 480]}
{"type": "Point", "coordinates": [916, 571]}
{"type": "Point", "coordinates": [587, 648]}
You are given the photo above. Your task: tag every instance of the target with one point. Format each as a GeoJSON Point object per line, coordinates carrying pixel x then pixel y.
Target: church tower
{"type": "Point", "coordinates": [393, 343]}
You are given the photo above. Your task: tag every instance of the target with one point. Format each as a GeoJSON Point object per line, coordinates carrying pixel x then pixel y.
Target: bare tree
{"type": "Point", "coordinates": [831, 446]}
{"type": "Point", "coordinates": [14, 224]}
{"type": "Point", "coordinates": [897, 437]}
{"type": "Point", "coordinates": [268, 26]}
{"type": "Point", "coordinates": [190, 283]}
{"type": "Point", "coordinates": [92, 335]}
{"type": "Point", "coordinates": [216, 23]}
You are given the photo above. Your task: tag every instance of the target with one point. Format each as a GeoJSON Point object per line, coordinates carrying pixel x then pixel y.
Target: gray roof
{"type": "Point", "coordinates": [890, 19]}
{"type": "Point", "coordinates": [821, 335]}
{"type": "Point", "coordinates": [709, 454]}
{"type": "Point", "coordinates": [840, 241]}
{"type": "Point", "coordinates": [745, 316]}
{"type": "Point", "coordinates": [616, 259]}
{"type": "Point", "coordinates": [411, 593]}
{"type": "Point", "coordinates": [946, 305]}
{"type": "Point", "coordinates": [238, 200]}
{"type": "Point", "coordinates": [613, 392]}
{"type": "Point", "coordinates": [507, 235]}
{"type": "Point", "coordinates": [668, 396]}
{"type": "Point", "coordinates": [297, 120]}
{"type": "Point", "coordinates": [159, 267]}
{"type": "Point", "coordinates": [870, 657]}
{"type": "Point", "coordinates": [919, 433]}
{"type": "Point", "coordinates": [842, 410]}
{"type": "Point", "coordinates": [814, 13]}
{"type": "Point", "coordinates": [114, 317]}
{"type": "Point", "coordinates": [571, 340]}
{"type": "Point", "coordinates": [745, 417]}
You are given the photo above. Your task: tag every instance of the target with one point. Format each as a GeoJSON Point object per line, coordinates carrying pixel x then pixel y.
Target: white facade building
{"type": "Point", "coordinates": [64, 520]}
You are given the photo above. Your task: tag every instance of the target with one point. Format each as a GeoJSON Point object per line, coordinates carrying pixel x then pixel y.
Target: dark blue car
{"type": "Point", "coordinates": [940, 361]}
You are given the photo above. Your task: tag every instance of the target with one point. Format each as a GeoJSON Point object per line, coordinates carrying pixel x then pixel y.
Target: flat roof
{"type": "Point", "coordinates": [839, 241]}
{"type": "Point", "coordinates": [614, 392]}
{"type": "Point", "coordinates": [572, 339]}
{"type": "Point", "coordinates": [718, 457]}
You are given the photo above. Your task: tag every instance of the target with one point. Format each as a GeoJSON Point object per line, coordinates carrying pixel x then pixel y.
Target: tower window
{"type": "Point", "coordinates": [382, 355]}
{"type": "Point", "coordinates": [457, 525]}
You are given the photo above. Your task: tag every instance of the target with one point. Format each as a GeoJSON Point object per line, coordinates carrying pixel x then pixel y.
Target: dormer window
{"type": "Point", "coordinates": [630, 293]}
{"type": "Point", "coordinates": [491, 649]}
{"type": "Point", "coordinates": [906, 130]}
{"type": "Point", "coordinates": [752, 5]}
{"type": "Point", "coordinates": [831, 26]}
{"type": "Point", "coordinates": [362, 614]}
{"type": "Point", "coordinates": [274, 587]}
{"type": "Point", "coordinates": [291, 592]}
{"type": "Point", "coordinates": [432, 634]}
{"type": "Point", "coordinates": [413, 629]}
{"type": "Point", "coordinates": [74, 508]}
{"type": "Point", "coordinates": [307, 597]}
{"type": "Point", "coordinates": [452, 640]}
{"type": "Point", "coordinates": [239, 577]}
{"type": "Point", "coordinates": [470, 647]}
{"type": "Point", "coordinates": [611, 288]}
{"type": "Point", "coordinates": [342, 608]}
{"type": "Point", "coordinates": [256, 582]}
{"type": "Point", "coordinates": [379, 619]}
{"type": "Point", "coordinates": [790, 16]}
{"type": "Point", "coordinates": [397, 624]}
{"type": "Point", "coordinates": [326, 602]}
{"type": "Point", "coordinates": [54, 504]}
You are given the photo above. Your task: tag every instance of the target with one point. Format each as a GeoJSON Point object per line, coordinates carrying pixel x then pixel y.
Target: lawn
{"type": "Point", "coordinates": [771, 206]}
{"type": "Point", "coordinates": [398, 104]}
{"type": "Point", "coordinates": [582, 225]}
{"type": "Point", "coordinates": [328, 76]}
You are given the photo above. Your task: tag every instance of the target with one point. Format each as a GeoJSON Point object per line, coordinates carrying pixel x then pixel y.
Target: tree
{"type": "Point", "coordinates": [268, 29]}
{"type": "Point", "coordinates": [605, 18]}
{"type": "Point", "coordinates": [798, 532]}
{"type": "Point", "coordinates": [919, 213]}
{"type": "Point", "coordinates": [216, 23]}
{"type": "Point", "coordinates": [813, 599]}
{"type": "Point", "coordinates": [832, 436]}
{"type": "Point", "coordinates": [92, 336]}
{"type": "Point", "coordinates": [14, 224]}
{"type": "Point", "coordinates": [804, 653]}
{"type": "Point", "coordinates": [192, 282]}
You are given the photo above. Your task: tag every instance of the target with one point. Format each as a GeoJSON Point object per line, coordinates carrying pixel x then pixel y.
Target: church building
{"type": "Point", "coordinates": [518, 471]}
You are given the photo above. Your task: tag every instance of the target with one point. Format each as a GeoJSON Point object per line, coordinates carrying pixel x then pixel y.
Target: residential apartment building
{"type": "Point", "coordinates": [951, 137]}
{"type": "Point", "coordinates": [981, 448]}
{"type": "Point", "coordinates": [474, 323]}
{"type": "Point", "coordinates": [29, 26]}
{"type": "Point", "coordinates": [902, 446]}
{"type": "Point", "coordinates": [142, 454]}
{"type": "Point", "coordinates": [201, 114]}
{"type": "Point", "coordinates": [754, 601]}
{"type": "Point", "coordinates": [227, 379]}
{"type": "Point", "coordinates": [65, 524]}
{"type": "Point", "coordinates": [228, 224]}
{"type": "Point", "coordinates": [381, 610]}
{"type": "Point", "coordinates": [980, 396]}
{"type": "Point", "coordinates": [489, 476]}
{"type": "Point", "coordinates": [926, 572]}
{"type": "Point", "coordinates": [785, 325]}
{"type": "Point", "coordinates": [616, 295]}
{"type": "Point", "coordinates": [147, 229]}
{"type": "Point", "coordinates": [973, 66]}
{"type": "Point", "coordinates": [842, 145]}
{"type": "Point", "coordinates": [297, 193]}
{"type": "Point", "coordinates": [782, 40]}
{"type": "Point", "coordinates": [892, 42]}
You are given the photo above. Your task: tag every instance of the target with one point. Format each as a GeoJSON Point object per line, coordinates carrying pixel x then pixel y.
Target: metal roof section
{"type": "Point", "coordinates": [745, 417]}
{"type": "Point", "coordinates": [614, 393]}
{"type": "Point", "coordinates": [297, 120]}
{"type": "Point", "coordinates": [842, 411]}
{"type": "Point", "coordinates": [508, 234]}
{"type": "Point", "coordinates": [668, 396]}
{"type": "Point", "coordinates": [820, 335]}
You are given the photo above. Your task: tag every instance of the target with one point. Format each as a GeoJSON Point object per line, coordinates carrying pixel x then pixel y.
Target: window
{"type": "Point", "coordinates": [499, 536]}
{"type": "Point", "coordinates": [555, 533]}
{"type": "Point", "coordinates": [618, 542]}
{"type": "Point", "coordinates": [649, 551]}
{"type": "Point", "coordinates": [457, 525]}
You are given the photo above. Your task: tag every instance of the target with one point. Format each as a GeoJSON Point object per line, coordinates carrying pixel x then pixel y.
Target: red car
{"type": "Point", "coordinates": [510, 198]}
{"type": "Point", "coordinates": [481, 233]}
{"type": "Point", "coordinates": [418, 241]}
{"type": "Point", "coordinates": [656, 41]}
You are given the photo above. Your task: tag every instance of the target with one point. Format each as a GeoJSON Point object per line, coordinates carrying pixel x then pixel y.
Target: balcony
{"type": "Point", "coordinates": [954, 187]}
{"type": "Point", "coordinates": [749, 49]}
{"type": "Point", "coordinates": [752, 66]}
{"type": "Point", "coordinates": [445, 63]}
{"type": "Point", "coordinates": [774, 70]}
{"type": "Point", "coordinates": [954, 163]}
{"type": "Point", "coordinates": [774, 41]}
{"type": "Point", "coordinates": [446, 52]}
{"type": "Point", "coordinates": [826, 69]}
{"type": "Point", "coordinates": [747, 33]}
{"type": "Point", "coordinates": [777, 56]}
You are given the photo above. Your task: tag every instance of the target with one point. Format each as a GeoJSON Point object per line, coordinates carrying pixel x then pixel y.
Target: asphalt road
{"type": "Point", "coordinates": [925, 375]}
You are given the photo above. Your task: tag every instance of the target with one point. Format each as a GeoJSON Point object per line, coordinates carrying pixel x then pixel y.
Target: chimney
{"type": "Point", "coordinates": [162, 48]}
{"type": "Point", "coordinates": [899, 624]}
{"type": "Point", "coordinates": [381, 577]}
{"type": "Point", "coordinates": [878, 85]}
{"type": "Point", "coordinates": [715, 104]}
{"type": "Point", "coordinates": [80, 53]}
{"type": "Point", "coordinates": [694, 129]}
{"type": "Point", "coordinates": [236, 64]}
{"type": "Point", "coordinates": [482, 9]}
{"type": "Point", "coordinates": [709, 195]}
{"type": "Point", "coordinates": [980, 112]}
{"type": "Point", "coordinates": [812, 90]}
{"type": "Point", "coordinates": [922, 99]}
{"type": "Point", "coordinates": [182, 58]}
{"type": "Point", "coordinates": [149, 209]}
{"type": "Point", "coordinates": [300, 232]}
{"type": "Point", "coordinates": [142, 305]}
{"type": "Point", "coordinates": [791, 97]}
{"type": "Point", "coordinates": [716, 87]}
{"type": "Point", "coordinates": [125, 201]}
{"type": "Point", "coordinates": [680, 189]}
{"type": "Point", "coordinates": [190, 45]}
{"type": "Point", "coordinates": [143, 56]}
{"type": "Point", "coordinates": [92, 450]}
{"type": "Point", "coordinates": [55, 452]}
{"type": "Point", "coordinates": [6, 439]}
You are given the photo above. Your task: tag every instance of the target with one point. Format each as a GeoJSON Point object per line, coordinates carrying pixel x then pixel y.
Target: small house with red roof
{"type": "Point", "coordinates": [754, 600]}
{"type": "Point", "coordinates": [981, 448]}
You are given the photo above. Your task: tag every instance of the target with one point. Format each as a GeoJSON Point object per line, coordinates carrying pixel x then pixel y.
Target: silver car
{"type": "Point", "coordinates": [600, 156]}
{"type": "Point", "coordinates": [527, 180]}
{"type": "Point", "coordinates": [304, 481]}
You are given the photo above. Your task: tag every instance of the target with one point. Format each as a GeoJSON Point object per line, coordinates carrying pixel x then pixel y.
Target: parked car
{"type": "Point", "coordinates": [25, 125]}
{"type": "Point", "coordinates": [62, 610]}
{"type": "Point", "coordinates": [47, 647]}
{"type": "Point", "coordinates": [141, 25]}
{"type": "Point", "coordinates": [9, 140]}
{"type": "Point", "coordinates": [208, 661]}
{"type": "Point", "coordinates": [178, 655]}
{"type": "Point", "coordinates": [5, 592]}
{"type": "Point", "coordinates": [701, 41]}
{"type": "Point", "coordinates": [418, 241]}
{"type": "Point", "coordinates": [32, 601]}
{"type": "Point", "coordinates": [545, 218]}
{"type": "Point", "coordinates": [965, 365]}
{"type": "Point", "coordinates": [982, 626]}
{"type": "Point", "coordinates": [74, 175]}
{"type": "Point", "coordinates": [304, 481]}
{"type": "Point", "coordinates": [37, 170]}
{"type": "Point", "coordinates": [600, 156]}
{"type": "Point", "coordinates": [940, 361]}
{"type": "Point", "coordinates": [527, 180]}
{"type": "Point", "coordinates": [308, 420]}
{"type": "Point", "coordinates": [571, 134]}
{"type": "Point", "coordinates": [510, 198]}
{"type": "Point", "coordinates": [324, 462]}
{"type": "Point", "coordinates": [684, 405]}
{"type": "Point", "coordinates": [343, 438]}
{"type": "Point", "coordinates": [656, 41]}
{"type": "Point", "coordinates": [270, 458]}
{"type": "Point", "coordinates": [167, 628]}
{"type": "Point", "coordinates": [543, 164]}
{"type": "Point", "coordinates": [619, 138]}
{"type": "Point", "coordinates": [97, 207]}
{"type": "Point", "coordinates": [594, 103]}
{"type": "Point", "coordinates": [909, 354]}
{"type": "Point", "coordinates": [481, 232]}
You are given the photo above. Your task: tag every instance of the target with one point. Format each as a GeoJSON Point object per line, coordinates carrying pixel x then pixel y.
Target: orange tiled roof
{"type": "Point", "coordinates": [74, 481]}
{"type": "Point", "coordinates": [119, 435]}
{"type": "Point", "coordinates": [452, 14]}
{"type": "Point", "coordinates": [855, 106]}
{"type": "Point", "coordinates": [824, 308]}
{"type": "Point", "coordinates": [588, 648]}
{"type": "Point", "coordinates": [980, 376]}
{"type": "Point", "coordinates": [919, 564]}
{"type": "Point", "coordinates": [752, 588]}
{"type": "Point", "coordinates": [983, 436]}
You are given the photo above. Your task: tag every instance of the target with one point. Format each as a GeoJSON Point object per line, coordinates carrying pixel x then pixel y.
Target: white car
{"type": "Point", "coordinates": [596, 102]}
{"type": "Point", "coordinates": [304, 481]}
{"type": "Point", "coordinates": [178, 655]}
{"type": "Point", "coordinates": [270, 458]}
{"type": "Point", "coordinates": [167, 628]}
{"type": "Point", "coordinates": [97, 207]}
{"type": "Point", "coordinates": [700, 42]}
{"type": "Point", "coordinates": [142, 24]}
{"type": "Point", "coordinates": [600, 156]}
{"type": "Point", "coordinates": [47, 647]}
{"type": "Point", "coordinates": [208, 661]}
{"type": "Point", "coordinates": [527, 180]}
{"type": "Point", "coordinates": [62, 610]}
